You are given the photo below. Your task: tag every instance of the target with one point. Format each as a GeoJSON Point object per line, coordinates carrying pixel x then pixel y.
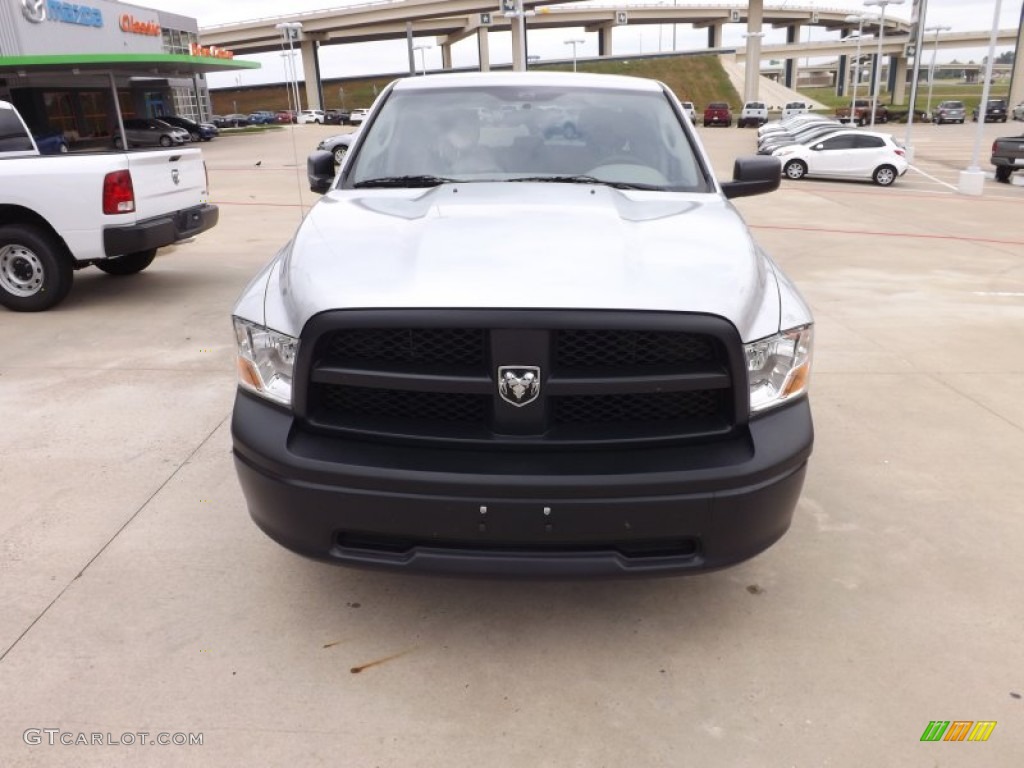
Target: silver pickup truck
{"type": "Point", "coordinates": [494, 349]}
{"type": "Point", "coordinates": [1008, 156]}
{"type": "Point", "coordinates": [60, 213]}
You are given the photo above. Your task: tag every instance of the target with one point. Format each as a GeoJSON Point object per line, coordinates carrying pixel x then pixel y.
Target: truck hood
{"type": "Point", "coordinates": [524, 246]}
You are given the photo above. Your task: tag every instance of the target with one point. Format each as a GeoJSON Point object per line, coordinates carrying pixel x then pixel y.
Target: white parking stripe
{"type": "Point", "coordinates": [929, 176]}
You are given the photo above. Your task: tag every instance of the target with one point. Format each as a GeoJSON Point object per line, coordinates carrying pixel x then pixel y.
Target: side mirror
{"type": "Point", "coordinates": [320, 171]}
{"type": "Point", "coordinates": [818, 147]}
{"type": "Point", "coordinates": [753, 175]}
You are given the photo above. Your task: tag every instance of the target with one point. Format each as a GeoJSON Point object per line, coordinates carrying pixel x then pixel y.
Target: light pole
{"type": "Point", "coordinates": [513, 9]}
{"type": "Point", "coordinates": [972, 181]}
{"type": "Point", "coordinates": [574, 43]}
{"type": "Point", "coordinates": [878, 63]}
{"type": "Point", "coordinates": [856, 64]}
{"type": "Point", "coordinates": [423, 48]}
{"type": "Point", "coordinates": [290, 31]}
{"type": "Point", "coordinates": [931, 67]}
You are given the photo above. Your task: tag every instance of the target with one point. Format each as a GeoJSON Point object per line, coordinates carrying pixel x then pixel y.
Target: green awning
{"type": "Point", "coordinates": [133, 64]}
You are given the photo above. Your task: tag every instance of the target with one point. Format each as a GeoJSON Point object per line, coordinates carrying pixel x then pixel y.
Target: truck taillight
{"type": "Point", "coordinates": [118, 193]}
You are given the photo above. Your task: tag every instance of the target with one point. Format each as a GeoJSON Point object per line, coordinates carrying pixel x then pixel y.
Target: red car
{"type": "Point", "coordinates": [285, 116]}
{"type": "Point", "coordinates": [717, 113]}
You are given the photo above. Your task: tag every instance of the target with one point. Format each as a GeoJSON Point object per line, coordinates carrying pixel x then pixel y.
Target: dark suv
{"type": "Point", "coordinates": [995, 111]}
{"type": "Point", "coordinates": [336, 117]}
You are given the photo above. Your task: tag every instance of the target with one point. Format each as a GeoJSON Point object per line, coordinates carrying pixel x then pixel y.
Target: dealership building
{"type": "Point", "coordinates": [61, 64]}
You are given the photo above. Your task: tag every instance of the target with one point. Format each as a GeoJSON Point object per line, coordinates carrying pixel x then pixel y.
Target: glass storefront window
{"type": "Point", "coordinates": [95, 105]}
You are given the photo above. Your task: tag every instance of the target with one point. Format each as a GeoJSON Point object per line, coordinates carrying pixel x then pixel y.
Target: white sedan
{"type": "Point", "coordinates": [310, 116]}
{"type": "Point", "coordinates": [849, 154]}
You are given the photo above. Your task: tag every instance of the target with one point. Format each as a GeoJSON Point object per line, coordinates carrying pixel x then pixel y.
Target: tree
{"type": "Point", "coordinates": [1006, 57]}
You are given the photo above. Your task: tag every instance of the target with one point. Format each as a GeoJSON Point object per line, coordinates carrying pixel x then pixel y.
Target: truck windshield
{"type": "Point", "coordinates": [537, 133]}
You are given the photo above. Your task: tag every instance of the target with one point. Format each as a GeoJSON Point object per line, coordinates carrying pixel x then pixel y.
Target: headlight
{"type": "Point", "coordinates": [779, 367]}
{"type": "Point", "coordinates": [266, 360]}
{"type": "Point", "coordinates": [782, 151]}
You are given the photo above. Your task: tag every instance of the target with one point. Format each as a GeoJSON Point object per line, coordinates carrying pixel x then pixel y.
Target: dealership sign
{"type": "Point", "coordinates": [38, 11]}
{"type": "Point", "coordinates": [213, 51]}
{"type": "Point", "coordinates": [136, 27]}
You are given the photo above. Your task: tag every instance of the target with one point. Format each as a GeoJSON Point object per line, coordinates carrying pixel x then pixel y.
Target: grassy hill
{"type": "Point", "coordinates": [699, 79]}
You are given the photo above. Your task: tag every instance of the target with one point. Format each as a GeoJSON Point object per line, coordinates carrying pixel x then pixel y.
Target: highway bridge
{"type": "Point", "coordinates": [450, 21]}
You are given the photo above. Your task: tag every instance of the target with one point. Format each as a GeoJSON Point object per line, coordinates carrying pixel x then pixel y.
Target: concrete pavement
{"type": "Point", "coordinates": [137, 596]}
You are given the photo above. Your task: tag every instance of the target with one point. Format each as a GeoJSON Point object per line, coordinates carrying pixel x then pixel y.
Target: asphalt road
{"type": "Point", "coordinates": [136, 596]}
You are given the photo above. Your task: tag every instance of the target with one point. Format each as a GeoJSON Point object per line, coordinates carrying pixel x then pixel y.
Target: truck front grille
{"type": "Point", "coordinates": [605, 377]}
{"type": "Point", "coordinates": [640, 408]}
{"type": "Point", "coordinates": [435, 346]}
{"type": "Point", "coordinates": [340, 402]}
{"type": "Point", "coordinates": [590, 348]}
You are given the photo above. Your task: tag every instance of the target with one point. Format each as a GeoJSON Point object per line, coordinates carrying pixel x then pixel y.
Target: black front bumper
{"type": "Point", "coordinates": [652, 511]}
{"type": "Point", "coordinates": [160, 231]}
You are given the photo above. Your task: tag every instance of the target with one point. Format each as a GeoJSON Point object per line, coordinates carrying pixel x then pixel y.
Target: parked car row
{"type": "Point", "coordinates": [753, 114]}
{"type": "Point", "coordinates": [167, 131]}
{"type": "Point", "coordinates": [286, 116]}
{"type": "Point", "coordinates": [811, 145]}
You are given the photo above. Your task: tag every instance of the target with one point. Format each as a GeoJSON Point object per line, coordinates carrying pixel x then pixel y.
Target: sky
{"type": "Point", "coordinates": [392, 57]}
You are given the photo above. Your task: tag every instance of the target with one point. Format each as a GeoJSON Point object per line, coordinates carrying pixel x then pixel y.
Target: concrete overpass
{"type": "Point", "coordinates": [453, 20]}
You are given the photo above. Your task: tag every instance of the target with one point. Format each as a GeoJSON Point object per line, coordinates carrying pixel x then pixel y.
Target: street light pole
{"type": "Point", "coordinates": [290, 31]}
{"type": "Point", "coordinates": [931, 67]}
{"type": "Point", "coordinates": [423, 56]}
{"type": "Point", "coordinates": [876, 90]}
{"type": "Point", "coordinates": [917, 25]}
{"type": "Point", "coordinates": [574, 43]}
{"type": "Point", "coordinates": [972, 181]}
{"type": "Point", "coordinates": [856, 64]}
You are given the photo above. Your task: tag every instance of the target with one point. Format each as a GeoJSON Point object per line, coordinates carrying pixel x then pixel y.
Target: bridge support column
{"type": "Point", "coordinates": [792, 65]}
{"type": "Point", "coordinates": [446, 56]}
{"type": "Point", "coordinates": [844, 64]}
{"type": "Point", "coordinates": [715, 36]}
{"type": "Point", "coordinates": [898, 79]}
{"type": "Point", "coordinates": [311, 73]}
{"type": "Point", "coordinates": [873, 67]}
{"type": "Point", "coordinates": [483, 48]}
{"type": "Point", "coordinates": [1017, 76]}
{"type": "Point", "coordinates": [518, 63]}
{"type": "Point", "coordinates": [755, 12]}
{"type": "Point", "coordinates": [604, 40]}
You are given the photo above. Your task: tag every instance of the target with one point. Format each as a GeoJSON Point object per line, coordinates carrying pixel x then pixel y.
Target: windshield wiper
{"type": "Point", "coordinates": [584, 179]}
{"type": "Point", "coordinates": [404, 181]}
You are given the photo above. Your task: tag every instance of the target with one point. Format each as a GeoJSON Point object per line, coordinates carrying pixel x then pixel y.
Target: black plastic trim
{"type": "Point", "coordinates": [160, 231]}
{"type": "Point", "coordinates": [733, 497]}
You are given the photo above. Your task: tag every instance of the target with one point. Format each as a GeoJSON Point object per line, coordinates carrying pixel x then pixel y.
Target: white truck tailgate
{"type": "Point", "coordinates": [167, 180]}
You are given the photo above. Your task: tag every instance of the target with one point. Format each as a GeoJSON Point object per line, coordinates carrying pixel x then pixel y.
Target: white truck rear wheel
{"type": "Point", "coordinates": [35, 273]}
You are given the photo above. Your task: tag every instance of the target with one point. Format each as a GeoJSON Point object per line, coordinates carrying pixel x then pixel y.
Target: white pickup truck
{"type": "Point", "coordinates": [59, 213]}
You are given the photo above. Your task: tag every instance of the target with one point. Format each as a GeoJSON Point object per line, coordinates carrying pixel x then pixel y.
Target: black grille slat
{"type": "Point", "coordinates": [464, 347]}
{"type": "Point", "coordinates": [637, 408]}
{"type": "Point", "coordinates": [608, 379]}
{"type": "Point", "coordinates": [451, 407]}
{"type": "Point", "coordinates": [590, 349]}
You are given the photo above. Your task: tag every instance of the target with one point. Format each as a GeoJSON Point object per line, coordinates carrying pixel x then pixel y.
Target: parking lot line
{"type": "Point", "coordinates": [929, 176]}
{"type": "Point", "coordinates": [873, 233]}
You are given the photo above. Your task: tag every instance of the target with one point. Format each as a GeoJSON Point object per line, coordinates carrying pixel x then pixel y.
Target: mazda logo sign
{"type": "Point", "coordinates": [34, 10]}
